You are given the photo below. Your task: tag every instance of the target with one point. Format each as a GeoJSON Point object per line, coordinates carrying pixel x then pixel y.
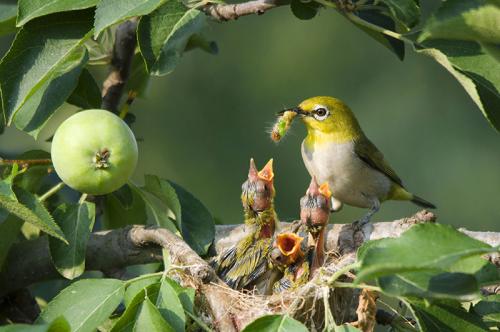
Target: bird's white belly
{"type": "Point", "coordinates": [350, 179]}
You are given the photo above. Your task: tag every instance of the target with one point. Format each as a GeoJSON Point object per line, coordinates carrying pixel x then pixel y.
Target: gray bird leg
{"type": "Point", "coordinates": [366, 218]}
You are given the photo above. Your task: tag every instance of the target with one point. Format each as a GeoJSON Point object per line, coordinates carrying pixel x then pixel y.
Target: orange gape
{"type": "Point", "coordinates": [289, 245]}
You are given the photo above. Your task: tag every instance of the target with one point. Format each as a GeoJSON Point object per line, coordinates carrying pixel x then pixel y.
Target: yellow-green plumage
{"type": "Point", "coordinates": [294, 276]}
{"type": "Point", "coordinates": [247, 261]}
{"type": "Point", "coordinates": [245, 265]}
{"type": "Point", "coordinates": [338, 152]}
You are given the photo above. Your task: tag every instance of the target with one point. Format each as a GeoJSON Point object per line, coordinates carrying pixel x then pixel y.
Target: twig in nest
{"type": "Point", "coordinates": [367, 310]}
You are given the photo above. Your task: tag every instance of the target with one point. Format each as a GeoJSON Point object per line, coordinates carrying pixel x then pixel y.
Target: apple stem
{"type": "Point", "coordinates": [101, 159]}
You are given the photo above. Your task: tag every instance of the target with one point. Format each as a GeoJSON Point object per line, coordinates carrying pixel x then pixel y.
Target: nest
{"type": "Point", "coordinates": [319, 304]}
{"type": "Point", "coordinates": [315, 303]}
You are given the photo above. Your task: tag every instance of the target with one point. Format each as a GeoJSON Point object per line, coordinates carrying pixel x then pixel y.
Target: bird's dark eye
{"type": "Point", "coordinates": [321, 111]}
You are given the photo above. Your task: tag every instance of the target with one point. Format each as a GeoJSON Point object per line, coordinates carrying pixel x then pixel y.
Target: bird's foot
{"type": "Point", "coordinates": [360, 223]}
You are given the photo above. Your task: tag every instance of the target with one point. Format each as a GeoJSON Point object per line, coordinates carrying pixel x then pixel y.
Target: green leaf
{"type": "Point", "coordinates": [170, 306]}
{"type": "Point", "coordinates": [473, 20]}
{"type": "Point", "coordinates": [304, 10]}
{"type": "Point", "coordinates": [29, 209]}
{"type": "Point", "coordinates": [42, 67]}
{"type": "Point", "coordinates": [30, 9]}
{"type": "Point", "coordinates": [24, 328]}
{"type": "Point", "coordinates": [85, 303]}
{"type": "Point", "coordinates": [76, 221]}
{"type": "Point", "coordinates": [431, 284]}
{"type": "Point", "coordinates": [6, 184]}
{"type": "Point", "coordinates": [87, 94]}
{"type": "Point", "coordinates": [374, 17]}
{"type": "Point", "coordinates": [167, 262]}
{"type": "Point", "coordinates": [138, 80]}
{"type": "Point", "coordinates": [8, 13]}
{"type": "Point", "coordinates": [489, 309]}
{"type": "Point", "coordinates": [124, 206]}
{"type": "Point", "coordinates": [164, 34]}
{"type": "Point", "coordinates": [160, 215]}
{"type": "Point", "coordinates": [346, 328]}
{"type": "Point", "coordinates": [40, 107]}
{"type": "Point", "coordinates": [110, 12]}
{"type": "Point", "coordinates": [445, 317]}
{"type": "Point", "coordinates": [198, 226]}
{"type": "Point", "coordinates": [59, 324]}
{"type": "Point", "coordinates": [6, 188]}
{"type": "Point", "coordinates": [492, 50]}
{"type": "Point", "coordinates": [275, 323]}
{"type": "Point", "coordinates": [478, 72]}
{"type": "Point", "coordinates": [137, 287]}
{"type": "Point", "coordinates": [193, 219]}
{"type": "Point", "coordinates": [31, 178]}
{"type": "Point", "coordinates": [406, 12]}
{"type": "Point", "coordinates": [440, 247]}
{"type": "Point", "coordinates": [9, 231]}
{"type": "Point", "coordinates": [162, 190]}
{"type": "Point", "coordinates": [149, 319]}
{"type": "Point", "coordinates": [127, 319]}
{"type": "Point", "coordinates": [198, 41]}
{"type": "Point", "coordinates": [461, 283]}
{"type": "Point", "coordinates": [101, 48]}
{"type": "Point", "coordinates": [185, 294]}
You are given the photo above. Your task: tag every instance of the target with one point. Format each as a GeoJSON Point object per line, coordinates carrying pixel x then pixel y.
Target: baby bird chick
{"type": "Point", "coordinates": [291, 255]}
{"type": "Point", "coordinates": [245, 264]}
{"type": "Point", "coordinates": [314, 215]}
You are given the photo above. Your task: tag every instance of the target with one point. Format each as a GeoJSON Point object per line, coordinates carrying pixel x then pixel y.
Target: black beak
{"type": "Point", "coordinates": [297, 110]}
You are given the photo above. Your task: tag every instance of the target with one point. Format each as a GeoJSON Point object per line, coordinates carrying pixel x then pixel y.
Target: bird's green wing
{"type": "Point", "coordinates": [368, 152]}
{"type": "Point", "coordinates": [249, 265]}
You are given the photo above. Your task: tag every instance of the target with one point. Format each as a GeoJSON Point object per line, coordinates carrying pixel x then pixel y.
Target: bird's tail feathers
{"type": "Point", "coordinates": [422, 202]}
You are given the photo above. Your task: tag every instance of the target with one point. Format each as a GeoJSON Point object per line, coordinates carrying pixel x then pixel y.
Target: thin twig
{"type": "Point", "coordinates": [227, 12]}
{"type": "Point", "coordinates": [25, 162]}
{"type": "Point", "coordinates": [374, 27]}
{"type": "Point", "coordinates": [51, 191]}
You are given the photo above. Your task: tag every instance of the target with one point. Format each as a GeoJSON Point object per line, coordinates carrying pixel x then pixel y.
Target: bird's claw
{"type": "Point", "coordinates": [360, 223]}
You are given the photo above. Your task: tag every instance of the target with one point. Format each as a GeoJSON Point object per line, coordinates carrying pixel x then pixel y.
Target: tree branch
{"type": "Point", "coordinates": [29, 262]}
{"type": "Point", "coordinates": [227, 12]}
{"type": "Point", "coordinates": [123, 52]}
{"type": "Point", "coordinates": [25, 162]}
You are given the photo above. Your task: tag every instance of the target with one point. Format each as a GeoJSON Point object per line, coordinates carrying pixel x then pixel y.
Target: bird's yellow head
{"type": "Point", "coordinates": [328, 118]}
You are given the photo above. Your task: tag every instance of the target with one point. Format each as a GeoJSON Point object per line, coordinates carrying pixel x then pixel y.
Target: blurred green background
{"type": "Point", "coordinates": [200, 125]}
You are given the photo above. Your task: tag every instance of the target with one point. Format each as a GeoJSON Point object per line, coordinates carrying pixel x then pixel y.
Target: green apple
{"type": "Point", "coordinates": [94, 152]}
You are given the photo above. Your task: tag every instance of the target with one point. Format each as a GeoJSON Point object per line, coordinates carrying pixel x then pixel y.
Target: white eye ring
{"type": "Point", "coordinates": [320, 113]}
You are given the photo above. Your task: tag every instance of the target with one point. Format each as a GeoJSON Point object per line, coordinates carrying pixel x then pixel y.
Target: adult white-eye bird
{"type": "Point", "coordinates": [337, 151]}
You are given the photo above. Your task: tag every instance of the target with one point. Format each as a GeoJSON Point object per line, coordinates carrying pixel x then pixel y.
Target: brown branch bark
{"type": "Point", "coordinates": [345, 238]}
{"type": "Point", "coordinates": [226, 12]}
{"type": "Point", "coordinates": [123, 52]}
